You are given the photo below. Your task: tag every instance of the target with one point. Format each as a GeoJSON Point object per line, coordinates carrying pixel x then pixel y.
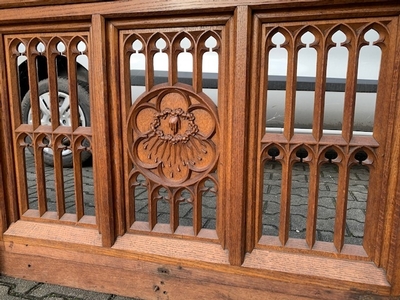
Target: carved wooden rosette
{"type": "Point", "coordinates": [173, 135]}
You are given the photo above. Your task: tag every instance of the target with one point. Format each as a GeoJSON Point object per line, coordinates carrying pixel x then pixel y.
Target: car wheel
{"type": "Point", "coordinates": [64, 115]}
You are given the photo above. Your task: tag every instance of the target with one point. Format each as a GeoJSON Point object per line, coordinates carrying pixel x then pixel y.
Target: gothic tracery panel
{"type": "Point", "coordinates": [172, 129]}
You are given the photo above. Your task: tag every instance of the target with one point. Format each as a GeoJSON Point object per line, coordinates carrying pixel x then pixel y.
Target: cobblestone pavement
{"type": "Point", "coordinates": [356, 207]}
{"type": "Point", "coordinates": [14, 288]}
{"type": "Point", "coordinates": [328, 186]}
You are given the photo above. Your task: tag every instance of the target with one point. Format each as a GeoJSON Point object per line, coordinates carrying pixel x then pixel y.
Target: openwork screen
{"type": "Point", "coordinates": [171, 129]}
{"type": "Point", "coordinates": [324, 122]}
{"type": "Point", "coordinates": [52, 133]}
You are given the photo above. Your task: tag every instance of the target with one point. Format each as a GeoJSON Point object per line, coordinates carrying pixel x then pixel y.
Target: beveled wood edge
{"type": "Point", "coordinates": [154, 279]}
{"type": "Point", "coordinates": [110, 9]}
{"type": "Point", "coordinates": [274, 265]}
{"type": "Point", "coordinates": [30, 3]}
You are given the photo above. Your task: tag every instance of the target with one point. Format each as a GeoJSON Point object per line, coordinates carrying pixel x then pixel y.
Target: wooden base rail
{"type": "Point", "coordinates": [157, 267]}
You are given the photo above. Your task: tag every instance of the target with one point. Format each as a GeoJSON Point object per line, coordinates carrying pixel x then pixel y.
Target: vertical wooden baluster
{"type": "Point", "coordinates": [197, 208]}
{"type": "Point", "coordinates": [320, 84]}
{"type": "Point", "coordinates": [291, 80]}
{"type": "Point", "coordinates": [78, 182]}
{"type": "Point", "coordinates": [173, 50]}
{"type": "Point", "coordinates": [32, 55]}
{"type": "Point", "coordinates": [197, 52]}
{"type": "Point", "coordinates": [174, 211]}
{"type": "Point", "coordinates": [312, 202]}
{"type": "Point", "coordinates": [72, 54]}
{"type": "Point", "coordinates": [350, 91]}
{"type": "Point", "coordinates": [150, 51]}
{"type": "Point", "coordinates": [35, 110]}
{"type": "Point", "coordinates": [126, 102]}
{"type": "Point", "coordinates": [153, 199]}
{"type": "Point", "coordinates": [284, 222]}
{"type": "Point", "coordinates": [341, 206]}
{"type": "Point", "coordinates": [51, 55]}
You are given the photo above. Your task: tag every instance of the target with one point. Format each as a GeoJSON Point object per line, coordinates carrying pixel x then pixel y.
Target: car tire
{"type": "Point", "coordinates": [84, 112]}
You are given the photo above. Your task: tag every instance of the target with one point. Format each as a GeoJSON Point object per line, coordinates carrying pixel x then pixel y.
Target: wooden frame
{"type": "Point", "coordinates": [172, 260]}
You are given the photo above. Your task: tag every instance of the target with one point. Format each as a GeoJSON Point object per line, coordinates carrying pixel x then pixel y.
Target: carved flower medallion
{"type": "Point", "coordinates": [173, 135]}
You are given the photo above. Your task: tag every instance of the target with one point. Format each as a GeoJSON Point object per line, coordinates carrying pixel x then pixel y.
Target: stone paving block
{"type": "Point", "coordinates": [324, 236]}
{"type": "Point", "coordinates": [208, 212]}
{"type": "Point", "coordinates": [297, 223]}
{"type": "Point", "coordinates": [324, 213]}
{"type": "Point", "coordinates": [298, 199]}
{"type": "Point", "coordinates": [355, 228]}
{"type": "Point", "coordinates": [50, 291]}
{"type": "Point", "coordinates": [210, 201]}
{"type": "Point", "coordinates": [144, 217]}
{"type": "Point", "coordinates": [355, 214]}
{"type": "Point", "coordinates": [332, 187]}
{"type": "Point", "coordinates": [358, 194]}
{"type": "Point", "coordinates": [141, 205]}
{"type": "Point", "coordinates": [141, 193]}
{"type": "Point", "coordinates": [270, 230]}
{"type": "Point", "coordinates": [326, 225]}
{"type": "Point", "coordinates": [163, 218]}
{"type": "Point", "coordinates": [186, 222]}
{"type": "Point", "coordinates": [17, 285]}
{"type": "Point", "coordinates": [271, 207]}
{"type": "Point", "coordinates": [272, 189]}
{"type": "Point", "coordinates": [327, 202]}
{"type": "Point", "coordinates": [209, 223]}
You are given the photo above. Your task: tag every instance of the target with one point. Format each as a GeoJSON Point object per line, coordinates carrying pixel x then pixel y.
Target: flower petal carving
{"type": "Point", "coordinates": [175, 135]}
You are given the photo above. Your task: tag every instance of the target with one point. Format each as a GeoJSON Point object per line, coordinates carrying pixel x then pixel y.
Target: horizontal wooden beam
{"type": "Point", "coordinates": [179, 267]}
{"type": "Point", "coordinates": [137, 8]}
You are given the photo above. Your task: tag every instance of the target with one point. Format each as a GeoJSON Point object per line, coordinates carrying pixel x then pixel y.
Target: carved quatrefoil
{"type": "Point", "coordinates": [173, 135]}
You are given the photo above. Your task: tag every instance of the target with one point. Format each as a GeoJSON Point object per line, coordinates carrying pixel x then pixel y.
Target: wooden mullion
{"type": "Point", "coordinates": [312, 203]}
{"type": "Point", "coordinates": [223, 113]}
{"type": "Point", "coordinates": [78, 182]}
{"type": "Point", "coordinates": [114, 57]}
{"type": "Point", "coordinates": [53, 87]}
{"type": "Point", "coordinates": [258, 86]}
{"type": "Point", "coordinates": [173, 52]}
{"type": "Point", "coordinates": [55, 117]}
{"type": "Point", "coordinates": [126, 101]}
{"type": "Point", "coordinates": [290, 101]}
{"type": "Point", "coordinates": [33, 86]}
{"type": "Point", "coordinates": [21, 182]}
{"type": "Point", "coordinates": [7, 137]}
{"type": "Point", "coordinates": [197, 210]}
{"type": "Point", "coordinates": [152, 206]}
{"type": "Point", "coordinates": [197, 76]}
{"type": "Point", "coordinates": [59, 182]}
{"type": "Point", "coordinates": [284, 221]}
{"type": "Point", "coordinates": [149, 62]}
{"type": "Point", "coordinates": [350, 92]}
{"type": "Point", "coordinates": [72, 84]}
{"type": "Point", "coordinates": [101, 140]}
{"type": "Point", "coordinates": [236, 206]}
{"type": "Point", "coordinates": [35, 109]}
{"type": "Point", "coordinates": [40, 180]}
{"type": "Point", "coordinates": [341, 207]}
{"type": "Point", "coordinates": [173, 212]}
{"type": "Point", "coordinates": [320, 85]}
